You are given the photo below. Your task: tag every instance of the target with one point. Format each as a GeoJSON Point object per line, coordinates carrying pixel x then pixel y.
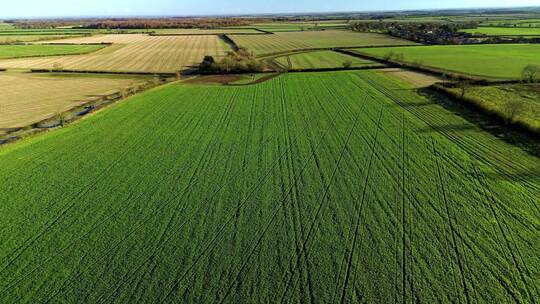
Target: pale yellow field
{"type": "Point", "coordinates": [132, 53]}
{"type": "Point", "coordinates": [35, 97]}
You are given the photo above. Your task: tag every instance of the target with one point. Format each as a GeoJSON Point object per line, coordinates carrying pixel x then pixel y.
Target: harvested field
{"type": "Point", "coordinates": [206, 32]}
{"type": "Point", "coordinates": [413, 79]}
{"type": "Point", "coordinates": [291, 41]}
{"type": "Point", "coordinates": [311, 187]}
{"type": "Point", "coordinates": [132, 53]}
{"type": "Point", "coordinates": [322, 60]}
{"type": "Point", "coordinates": [34, 97]}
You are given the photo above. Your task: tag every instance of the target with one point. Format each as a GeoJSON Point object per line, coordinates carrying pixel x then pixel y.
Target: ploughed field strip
{"type": "Point", "coordinates": [327, 187]}
{"type": "Point", "coordinates": [139, 53]}
{"type": "Point", "coordinates": [488, 60]}
{"type": "Point", "coordinates": [34, 97]}
{"type": "Point", "coordinates": [290, 41]}
{"type": "Point", "coordinates": [15, 51]}
{"type": "Point", "coordinates": [322, 60]}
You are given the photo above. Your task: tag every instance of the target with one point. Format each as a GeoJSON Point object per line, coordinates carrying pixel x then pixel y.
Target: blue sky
{"type": "Point", "coordinates": [56, 8]}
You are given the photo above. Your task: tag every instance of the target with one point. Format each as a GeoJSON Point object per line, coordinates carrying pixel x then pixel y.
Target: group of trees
{"type": "Point", "coordinates": [204, 23]}
{"type": "Point", "coordinates": [234, 62]}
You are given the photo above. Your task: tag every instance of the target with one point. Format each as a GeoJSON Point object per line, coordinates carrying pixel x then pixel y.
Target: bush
{"type": "Point", "coordinates": [240, 61]}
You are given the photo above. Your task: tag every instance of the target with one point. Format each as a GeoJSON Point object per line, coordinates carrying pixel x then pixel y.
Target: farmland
{"type": "Point", "coordinates": [206, 32]}
{"type": "Point", "coordinates": [322, 60]}
{"type": "Point", "coordinates": [290, 41]}
{"type": "Point", "coordinates": [505, 31]}
{"type": "Point", "coordinates": [327, 187]}
{"type": "Point", "coordinates": [17, 51]}
{"type": "Point", "coordinates": [478, 60]}
{"type": "Point", "coordinates": [34, 97]}
{"type": "Point", "coordinates": [500, 98]}
{"type": "Point", "coordinates": [132, 53]}
{"type": "Point", "coordinates": [31, 38]}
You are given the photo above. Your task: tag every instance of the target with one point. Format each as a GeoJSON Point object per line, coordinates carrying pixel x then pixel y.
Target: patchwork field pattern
{"type": "Point", "coordinates": [479, 60]}
{"type": "Point", "coordinates": [34, 97]}
{"type": "Point", "coordinates": [271, 193]}
{"type": "Point", "coordinates": [290, 41]}
{"type": "Point", "coordinates": [322, 60]}
{"type": "Point", "coordinates": [132, 53]}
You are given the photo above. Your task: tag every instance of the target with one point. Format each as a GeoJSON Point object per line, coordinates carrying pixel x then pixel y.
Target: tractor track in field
{"type": "Point", "coordinates": [359, 210]}
{"type": "Point", "coordinates": [488, 194]}
{"type": "Point", "coordinates": [116, 246]}
{"type": "Point", "coordinates": [208, 155]}
{"type": "Point", "coordinates": [453, 229]}
{"type": "Point", "coordinates": [290, 191]}
{"type": "Point", "coordinates": [212, 242]}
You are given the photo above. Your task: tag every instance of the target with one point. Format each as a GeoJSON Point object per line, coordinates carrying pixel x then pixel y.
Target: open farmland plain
{"type": "Point", "coordinates": [322, 60]}
{"type": "Point", "coordinates": [290, 41]}
{"type": "Point", "coordinates": [478, 60]}
{"type": "Point", "coordinates": [34, 97]}
{"type": "Point", "coordinates": [30, 50]}
{"type": "Point", "coordinates": [132, 53]}
{"type": "Point", "coordinates": [330, 187]}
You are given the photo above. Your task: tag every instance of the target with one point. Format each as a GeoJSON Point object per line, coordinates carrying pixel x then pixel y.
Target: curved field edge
{"type": "Point", "coordinates": [329, 186]}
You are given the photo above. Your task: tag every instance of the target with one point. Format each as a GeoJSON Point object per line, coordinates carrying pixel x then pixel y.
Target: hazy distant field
{"type": "Point", "coordinates": [505, 31]}
{"type": "Point", "coordinates": [16, 51]}
{"type": "Point", "coordinates": [133, 53]}
{"type": "Point", "coordinates": [290, 41]}
{"type": "Point", "coordinates": [34, 97]}
{"type": "Point", "coordinates": [206, 32]}
{"type": "Point", "coordinates": [498, 61]}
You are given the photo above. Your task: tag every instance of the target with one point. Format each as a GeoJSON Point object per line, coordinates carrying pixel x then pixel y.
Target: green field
{"type": "Point", "coordinates": [290, 41]}
{"type": "Point", "coordinates": [496, 61]}
{"type": "Point", "coordinates": [328, 187]}
{"type": "Point", "coordinates": [32, 38]}
{"type": "Point", "coordinates": [19, 51]}
{"type": "Point", "coordinates": [321, 60]}
{"type": "Point", "coordinates": [504, 31]}
{"type": "Point", "coordinates": [497, 98]}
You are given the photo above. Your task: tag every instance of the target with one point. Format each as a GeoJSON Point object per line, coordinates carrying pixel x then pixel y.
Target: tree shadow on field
{"type": "Point", "coordinates": [450, 127]}
{"type": "Point", "coordinates": [530, 143]}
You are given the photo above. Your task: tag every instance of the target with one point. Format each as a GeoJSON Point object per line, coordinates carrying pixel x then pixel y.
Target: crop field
{"type": "Point", "coordinates": [478, 60]}
{"type": "Point", "coordinates": [17, 51]}
{"type": "Point", "coordinates": [32, 38]}
{"type": "Point", "coordinates": [296, 26]}
{"type": "Point", "coordinates": [504, 31]}
{"type": "Point", "coordinates": [290, 41]}
{"type": "Point", "coordinates": [206, 32]}
{"type": "Point", "coordinates": [132, 53]}
{"type": "Point", "coordinates": [322, 60]}
{"type": "Point", "coordinates": [35, 97]}
{"type": "Point", "coordinates": [272, 193]}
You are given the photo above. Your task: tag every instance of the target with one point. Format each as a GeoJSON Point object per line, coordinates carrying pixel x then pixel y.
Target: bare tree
{"type": "Point", "coordinates": [512, 109]}
{"type": "Point", "coordinates": [463, 87]}
{"type": "Point", "coordinates": [531, 73]}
